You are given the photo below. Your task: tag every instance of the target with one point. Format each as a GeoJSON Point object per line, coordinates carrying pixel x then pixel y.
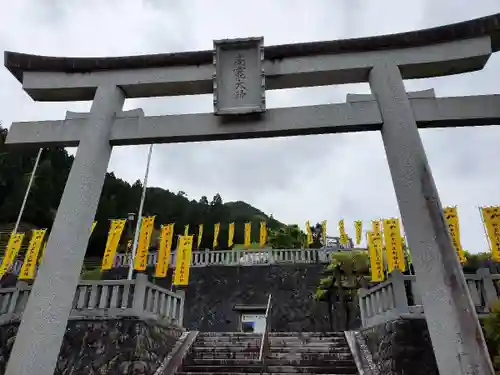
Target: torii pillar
{"type": "Point", "coordinates": [41, 331]}
{"type": "Point", "coordinates": [451, 317]}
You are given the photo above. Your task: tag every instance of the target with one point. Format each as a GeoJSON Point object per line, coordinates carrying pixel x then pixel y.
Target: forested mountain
{"type": "Point", "coordinates": [117, 200]}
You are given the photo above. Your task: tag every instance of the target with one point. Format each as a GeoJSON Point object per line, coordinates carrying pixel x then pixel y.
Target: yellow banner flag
{"type": "Point", "coordinates": [29, 265]}
{"type": "Point", "coordinates": [15, 242]}
{"type": "Point", "coordinates": [186, 229]}
{"type": "Point", "coordinates": [376, 227]}
{"type": "Point", "coordinates": [114, 235]}
{"type": "Point", "coordinates": [393, 245]}
{"type": "Point", "coordinates": [183, 261]}
{"type": "Point", "coordinates": [323, 231]}
{"type": "Point", "coordinates": [451, 217]}
{"type": "Point", "coordinates": [344, 239]}
{"type": "Point", "coordinates": [141, 257]}
{"type": "Point", "coordinates": [216, 235]}
{"type": "Point", "coordinates": [358, 227]}
{"type": "Point", "coordinates": [248, 235]}
{"type": "Point", "coordinates": [166, 239]}
{"type": "Point", "coordinates": [200, 235]}
{"type": "Point", "coordinates": [263, 234]}
{"type": "Point", "coordinates": [309, 233]}
{"type": "Point", "coordinates": [376, 258]}
{"type": "Point", "coordinates": [93, 227]}
{"type": "Point", "coordinates": [230, 238]}
{"type": "Point", "coordinates": [491, 217]}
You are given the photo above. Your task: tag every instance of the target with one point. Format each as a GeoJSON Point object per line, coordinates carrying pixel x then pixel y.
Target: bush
{"type": "Point", "coordinates": [91, 274]}
{"type": "Point", "coordinates": [491, 326]}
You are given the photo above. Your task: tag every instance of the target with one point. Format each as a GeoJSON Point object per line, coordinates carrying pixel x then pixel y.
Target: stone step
{"type": "Point", "coordinates": [309, 349]}
{"type": "Point", "coordinates": [311, 356]}
{"type": "Point", "coordinates": [337, 370]}
{"type": "Point", "coordinates": [192, 358]}
{"type": "Point", "coordinates": [209, 349]}
{"type": "Point", "coordinates": [316, 362]}
{"type": "Point", "coordinates": [227, 339]}
{"type": "Point", "coordinates": [224, 355]}
{"type": "Point", "coordinates": [280, 347]}
{"type": "Point", "coordinates": [272, 334]}
{"type": "Point", "coordinates": [307, 334]}
{"type": "Point", "coordinates": [312, 346]}
{"type": "Point", "coordinates": [284, 338]}
{"type": "Point", "coordinates": [291, 356]}
{"type": "Point", "coordinates": [273, 348]}
{"type": "Point", "coordinates": [222, 362]}
{"type": "Point", "coordinates": [222, 368]}
{"type": "Point", "coordinates": [294, 340]}
{"type": "Point", "coordinates": [226, 345]}
{"type": "Point", "coordinates": [350, 369]}
{"type": "Point", "coordinates": [305, 339]}
{"type": "Point", "coordinates": [233, 373]}
{"type": "Point", "coordinates": [228, 334]}
{"type": "Point", "coordinates": [281, 344]}
{"type": "Point", "coordinates": [273, 341]}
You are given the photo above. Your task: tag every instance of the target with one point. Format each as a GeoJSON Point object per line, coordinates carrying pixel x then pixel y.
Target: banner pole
{"type": "Point", "coordinates": [484, 228]}
{"type": "Point", "coordinates": [139, 215]}
{"type": "Point", "coordinates": [28, 189]}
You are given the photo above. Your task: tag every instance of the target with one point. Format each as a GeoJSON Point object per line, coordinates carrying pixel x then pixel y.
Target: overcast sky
{"type": "Point", "coordinates": [296, 179]}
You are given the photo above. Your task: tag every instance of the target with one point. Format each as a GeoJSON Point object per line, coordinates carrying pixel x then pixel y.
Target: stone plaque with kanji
{"type": "Point", "coordinates": [239, 81]}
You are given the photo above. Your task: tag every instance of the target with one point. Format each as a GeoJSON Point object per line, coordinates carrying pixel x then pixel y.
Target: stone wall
{"type": "Point", "coordinates": [401, 346]}
{"type": "Point", "coordinates": [107, 347]}
{"type": "Point", "coordinates": [213, 291]}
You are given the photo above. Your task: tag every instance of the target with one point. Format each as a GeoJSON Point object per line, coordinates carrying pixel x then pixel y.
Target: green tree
{"type": "Point", "coordinates": [491, 329]}
{"type": "Point", "coordinates": [118, 198]}
{"type": "Point", "coordinates": [286, 237]}
{"type": "Point", "coordinates": [347, 272]}
{"type": "Point", "coordinates": [475, 261]}
{"type": "Point", "coordinates": [316, 237]}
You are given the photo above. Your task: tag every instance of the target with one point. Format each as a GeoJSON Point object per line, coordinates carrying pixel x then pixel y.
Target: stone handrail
{"type": "Point", "coordinates": [264, 344]}
{"type": "Point", "coordinates": [398, 297]}
{"type": "Point", "coordinates": [206, 258]}
{"type": "Point", "coordinates": [105, 299]}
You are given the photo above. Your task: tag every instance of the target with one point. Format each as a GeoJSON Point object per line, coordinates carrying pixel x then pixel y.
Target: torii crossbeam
{"type": "Point", "coordinates": [238, 72]}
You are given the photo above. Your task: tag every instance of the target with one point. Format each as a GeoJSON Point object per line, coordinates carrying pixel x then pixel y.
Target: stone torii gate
{"type": "Point", "coordinates": [238, 72]}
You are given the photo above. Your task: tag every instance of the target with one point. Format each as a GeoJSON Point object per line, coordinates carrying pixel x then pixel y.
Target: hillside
{"type": "Point", "coordinates": [117, 200]}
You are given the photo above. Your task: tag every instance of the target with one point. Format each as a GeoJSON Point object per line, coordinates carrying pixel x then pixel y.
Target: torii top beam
{"type": "Point", "coordinates": [444, 50]}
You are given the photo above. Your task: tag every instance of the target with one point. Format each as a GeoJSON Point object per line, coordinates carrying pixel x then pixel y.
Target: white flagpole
{"type": "Point", "coordinates": [484, 228]}
{"type": "Point", "coordinates": [23, 205]}
{"type": "Point", "coordinates": [139, 215]}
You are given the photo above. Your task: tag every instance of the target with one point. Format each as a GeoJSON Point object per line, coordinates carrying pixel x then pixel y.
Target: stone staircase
{"type": "Point", "coordinates": [289, 353]}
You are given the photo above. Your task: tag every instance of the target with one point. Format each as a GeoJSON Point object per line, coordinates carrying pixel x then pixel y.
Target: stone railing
{"type": "Point", "coordinates": [206, 258]}
{"type": "Point", "coordinates": [242, 257]}
{"type": "Point", "coordinates": [106, 299]}
{"type": "Point", "coordinates": [398, 297]}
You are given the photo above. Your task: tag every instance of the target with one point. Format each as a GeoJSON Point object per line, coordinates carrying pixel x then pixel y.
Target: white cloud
{"type": "Point", "coordinates": [316, 177]}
